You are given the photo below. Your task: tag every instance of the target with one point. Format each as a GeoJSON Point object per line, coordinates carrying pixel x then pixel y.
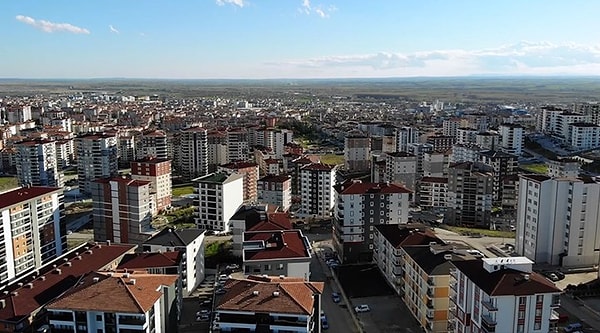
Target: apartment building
{"type": "Point", "coordinates": [357, 152]}
{"type": "Point", "coordinates": [419, 150]}
{"type": "Point", "coordinates": [34, 230]}
{"type": "Point", "coordinates": [193, 152]}
{"type": "Point", "coordinates": [256, 218]}
{"type": "Point", "coordinates": [37, 163]}
{"type": "Point", "coordinates": [217, 149]}
{"type": "Point", "coordinates": [359, 208]}
{"type": "Point", "coordinates": [96, 158]}
{"type": "Point", "coordinates": [470, 194]}
{"type": "Point", "coordinates": [154, 144]}
{"type": "Point", "coordinates": [238, 148]}
{"type": "Point", "coordinates": [406, 136]}
{"type": "Point", "coordinates": [127, 146]}
{"type": "Point", "coordinates": [465, 153]}
{"type": "Point", "coordinates": [219, 197]}
{"type": "Point", "coordinates": [433, 192]}
{"type": "Point", "coordinates": [387, 242]}
{"type": "Point", "coordinates": [158, 174]}
{"type": "Point", "coordinates": [512, 138]}
{"type": "Point", "coordinates": [450, 126]}
{"type": "Point", "coordinates": [275, 190]}
{"type": "Point", "coordinates": [121, 210]}
{"type": "Point", "coordinates": [316, 189]}
{"type": "Point", "coordinates": [249, 171]}
{"type": "Point", "coordinates": [583, 136]}
{"type": "Point", "coordinates": [283, 252]}
{"type": "Point", "coordinates": [401, 168]}
{"type": "Point", "coordinates": [130, 302]}
{"type": "Point", "coordinates": [441, 143]}
{"type": "Point", "coordinates": [435, 165]}
{"type": "Point", "coordinates": [501, 295]}
{"type": "Point", "coordinates": [558, 220]}
{"type": "Point", "coordinates": [270, 304]}
{"type": "Point", "coordinates": [190, 242]}
{"type": "Point", "coordinates": [488, 140]}
{"type": "Point", "coordinates": [466, 135]}
{"type": "Point", "coordinates": [564, 167]}
{"type": "Point", "coordinates": [503, 166]}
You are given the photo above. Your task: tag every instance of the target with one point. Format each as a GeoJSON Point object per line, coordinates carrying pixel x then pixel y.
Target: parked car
{"type": "Point", "coordinates": [202, 312]}
{"type": "Point", "coordinates": [362, 308]}
{"type": "Point", "coordinates": [203, 317]}
{"type": "Point", "coordinates": [336, 297]}
{"type": "Point", "coordinates": [221, 291]}
{"type": "Point", "coordinates": [574, 327]}
{"type": "Point", "coordinates": [324, 323]}
{"type": "Point", "coordinates": [560, 274]}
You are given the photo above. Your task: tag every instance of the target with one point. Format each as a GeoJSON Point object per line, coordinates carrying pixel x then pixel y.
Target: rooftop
{"type": "Point", "coordinates": [15, 196]}
{"type": "Point", "coordinates": [358, 187]}
{"type": "Point", "coordinates": [407, 234]}
{"type": "Point", "coordinates": [175, 237]}
{"type": "Point", "coordinates": [283, 244]}
{"type": "Point", "coordinates": [150, 260]}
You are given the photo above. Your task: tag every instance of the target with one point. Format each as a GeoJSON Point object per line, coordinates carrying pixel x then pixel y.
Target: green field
{"type": "Point", "coordinates": [7, 183]}
{"type": "Point", "coordinates": [535, 168]}
{"type": "Point", "coordinates": [181, 191]}
{"type": "Point", "coordinates": [332, 159]}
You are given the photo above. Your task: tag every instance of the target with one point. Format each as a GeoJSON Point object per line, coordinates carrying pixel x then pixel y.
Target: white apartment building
{"type": "Point", "coordinates": [401, 168]}
{"type": "Point", "coordinates": [450, 126]}
{"type": "Point", "coordinates": [316, 189]}
{"type": "Point", "coordinates": [219, 197]}
{"type": "Point", "coordinates": [558, 220]}
{"type": "Point", "coordinates": [487, 140]}
{"type": "Point", "coordinates": [33, 230]}
{"type": "Point", "coordinates": [501, 295]}
{"type": "Point", "coordinates": [361, 206]}
{"type": "Point", "coordinates": [217, 149]}
{"type": "Point", "coordinates": [96, 158]}
{"type": "Point", "coordinates": [564, 121]}
{"type": "Point", "coordinates": [433, 192]}
{"type": "Point", "coordinates": [470, 194]}
{"type": "Point", "coordinates": [583, 136]}
{"type": "Point", "coordinates": [547, 121]}
{"type": "Point", "coordinates": [463, 153]}
{"type": "Point", "coordinates": [188, 241]}
{"type": "Point", "coordinates": [406, 136]}
{"type": "Point", "coordinates": [154, 144]}
{"type": "Point", "coordinates": [275, 190]}
{"type": "Point", "coordinates": [511, 138]}
{"type": "Point", "coordinates": [193, 152]}
{"type": "Point", "coordinates": [435, 164]}
{"type": "Point", "coordinates": [129, 303]}
{"type": "Point", "coordinates": [466, 135]}
{"type": "Point", "coordinates": [36, 163]}
{"type": "Point", "coordinates": [357, 152]}
{"type": "Point", "coordinates": [565, 167]}
{"type": "Point", "coordinates": [237, 145]}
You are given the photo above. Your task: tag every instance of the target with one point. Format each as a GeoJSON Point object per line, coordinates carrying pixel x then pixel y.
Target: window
{"type": "Point", "coordinates": [522, 300]}
{"type": "Point", "coordinates": [267, 267]}
{"type": "Point", "coordinates": [98, 317]}
{"type": "Point", "coordinates": [539, 298]}
{"type": "Point", "coordinates": [537, 326]}
{"type": "Point", "coordinates": [279, 267]}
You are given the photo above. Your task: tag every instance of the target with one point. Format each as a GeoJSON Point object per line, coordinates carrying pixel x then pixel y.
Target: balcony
{"type": "Point", "coordinates": [132, 320]}
{"type": "Point", "coordinates": [61, 316]}
{"type": "Point", "coordinates": [430, 304]}
{"type": "Point", "coordinates": [453, 285]}
{"type": "Point", "coordinates": [430, 292]}
{"type": "Point", "coordinates": [488, 323]}
{"type": "Point", "coordinates": [554, 316]}
{"type": "Point", "coordinates": [430, 314]}
{"type": "Point", "coordinates": [489, 305]}
{"type": "Point", "coordinates": [430, 281]}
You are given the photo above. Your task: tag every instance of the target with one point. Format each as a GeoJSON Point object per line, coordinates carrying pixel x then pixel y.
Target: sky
{"type": "Point", "coordinates": [278, 39]}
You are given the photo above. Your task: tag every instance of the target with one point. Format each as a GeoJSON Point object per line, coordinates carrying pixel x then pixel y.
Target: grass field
{"type": "Point", "coordinates": [483, 232]}
{"type": "Point", "coordinates": [332, 159]}
{"type": "Point", "coordinates": [181, 191]}
{"type": "Point", "coordinates": [7, 183]}
{"type": "Point", "coordinates": [535, 168]}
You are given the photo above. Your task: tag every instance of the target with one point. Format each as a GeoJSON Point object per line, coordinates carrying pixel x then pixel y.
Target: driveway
{"type": "Point", "coordinates": [388, 314]}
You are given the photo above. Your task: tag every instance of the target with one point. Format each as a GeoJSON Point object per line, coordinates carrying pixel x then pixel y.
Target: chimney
{"type": "Point", "coordinates": [126, 275]}
{"type": "Point", "coordinates": [108, 242]}
{"type": "Point", "coordinates": [43, 278]}
{"type": "Point", "coordinates": [255, 293]}
{"type": "Point", "coordinates": [95, 279]}
{"type": "Point", "coordinates": [448, 256]}
{"type": "Point", "coordinates": [526, 277]}
{"type": "Point", "coordinates": [58, 271]}
{"type": "Point", "coordinates": [132, 282]}
{"type": "Point", "coordinates": [2, 303]}
{"type": "Point", "coordinates": [275, 293]}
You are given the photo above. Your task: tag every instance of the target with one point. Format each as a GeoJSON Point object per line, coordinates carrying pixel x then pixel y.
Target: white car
{"type": "Point", "coordinates": [362, 308]}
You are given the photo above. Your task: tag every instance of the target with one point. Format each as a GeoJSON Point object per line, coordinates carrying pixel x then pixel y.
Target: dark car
{"type": "Point", "coordinates": [336, 297]}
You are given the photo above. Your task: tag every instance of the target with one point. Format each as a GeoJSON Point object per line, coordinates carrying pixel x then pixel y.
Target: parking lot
{"type": "Point", "coordinates": [200, 299]}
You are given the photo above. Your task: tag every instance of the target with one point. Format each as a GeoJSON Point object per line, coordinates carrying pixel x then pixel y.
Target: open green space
{"type": "Point", "coordinates": [332, 159]}
{"type": "Point", "coordinates": [181, 191]}
{"type": "Point", "coordinates": [535, 168]}
{"type": "Point", "coordinates": [483, 232]}
{"type": "Point", "coordinates": [7, 183]}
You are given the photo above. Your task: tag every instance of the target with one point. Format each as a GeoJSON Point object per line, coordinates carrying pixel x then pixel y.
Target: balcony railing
{"type": "Point", "coordinates": [60, 316]}
{"type": "Point", "coordinates": [489, 305]}
{"type": "Point", "coordinates": [430, 281]}
{"type": "Point", "coordinates": [488, 321]}
{"type": "Point", "coordinates": [130, 320]}
{"type": "Point", "coordinates": [430, 305]}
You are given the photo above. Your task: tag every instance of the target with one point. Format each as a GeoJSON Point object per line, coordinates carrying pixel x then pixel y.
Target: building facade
{"type": "Point", "coordinates": [316, 189]}
{"type": "Point", "coordinates": [275, 190]}
{"type": "Point", "coordinates": [37, 164]}
{"type": "Point", "coordinates": [96, 158]}
{"type": "Point", "coordinates": [219, 197]}
{"type": "Point", "coordinates": [158, 174]}
{"type": "Point", "coordinates": [193, 152]}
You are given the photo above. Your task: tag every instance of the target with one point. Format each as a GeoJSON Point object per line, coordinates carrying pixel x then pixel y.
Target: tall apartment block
{"type": "Point", "coordinates": [193, 152]}
{"type": "Point", "coordinates": [250, 172]}
{"type": "Point", "coordinates": [470, 194]}
{"type": "Point", "coordinates": [36, 162]}
{"type": "Point", "coordinates": [217, 150]}
{"type": "Point", "coordinates": [512, 138]}
{"type": "Point", "coordinates": [121, 210]}
{"type": "Point", "coordinates": [406, 136]}
{"type": "Point", "coordinates": [276, 190]}
{"type": "Point", "coordinates": [316, 189]}
{"type": "Point", "coordinates": [361, 206]}
{"type": "Point", "coordinates": [237, 145]}
{"type": "Point", "coordinates": [158, 173]}
{"type": "Point", "coordinates": [501, 295]}
{"type": "Point", "coordinates": [154, 144]}
{"type": "Point", "coordinates": [357, 152]}
{"type": "Point", "coordinates": [219, 197]}
{"type": "Point", "coordinates": [504, 166]}
{"type": "Point", "coordinates": [558, 221]}
{"type": "Point", "coordinates": [96, 158]}
{"type": "Point", "coordinates": [401, 168]}
{"type": "Point", "coordinates": [34, 230]}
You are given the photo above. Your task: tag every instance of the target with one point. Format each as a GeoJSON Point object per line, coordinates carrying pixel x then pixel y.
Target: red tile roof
{"type": "Point", "coordinates": [49, 284]}
{"type": "Point", "coordinates": [293, 297]}
{"type": "Point", "coordinates": [115, 292]}
{"type": "Point", "coordinates": [15, 196]}
{"type": "Point", "coordinates": [275, 178]}
{"type": "Point", "coordinates": [318, 167]}
{"type": "Point", "coordinates": [151, 260]}
{"type": "Point", "coordinates": [123, 180]}
{"type": "Point", "coordinates": [279, 245]}
{"type": "Point", "coordinates": [275, 221]}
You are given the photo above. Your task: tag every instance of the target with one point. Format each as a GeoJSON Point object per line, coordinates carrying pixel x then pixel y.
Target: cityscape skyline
{"type": "Point", "coordinates": [240, 39]}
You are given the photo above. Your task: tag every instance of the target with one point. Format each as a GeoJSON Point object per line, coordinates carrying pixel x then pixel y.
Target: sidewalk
{"type": "Point", "coordinates": [578, 309]}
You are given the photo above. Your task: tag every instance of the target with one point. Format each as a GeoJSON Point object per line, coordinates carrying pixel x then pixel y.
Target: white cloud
{"type": "Point", "coordinates": [524, 58]}
{"type": "Point", "coordinates": [239, 3]}
{"type": "Point", "coordinates": [50, 27]}
{"type": "Point", "coordinates": [323, 12]}
{"type": "Point", "coordinates": [113, 29]}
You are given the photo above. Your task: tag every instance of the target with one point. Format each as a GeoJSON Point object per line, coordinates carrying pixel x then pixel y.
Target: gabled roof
{"type": "Point", "coordinates": [121, 292]}
{"type": "Point", "coordinates": [292, 297]}
{"type": "Point", "coordinates": [505, 281]}
{"type": "Point", "coordinates": [50, 284]}
{"type": "Point", "coordinates": [275, 221]}
{"type": "Point", "coordinates": [151, 260]}
{"type": "Point", "coordinates": [15, 196]}
{"type": "Point", "coordinates": [359, 187]}
{"type": "Point", "coordinates": [175, 237]}
{"type": "Point", "coordinates": [436, 263]}
{"type": "Point", "coordinates": [284, 244]}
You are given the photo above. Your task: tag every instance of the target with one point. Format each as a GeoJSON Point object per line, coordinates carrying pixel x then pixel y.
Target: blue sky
{"type": "Point", "coordinates": [297, 38]}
